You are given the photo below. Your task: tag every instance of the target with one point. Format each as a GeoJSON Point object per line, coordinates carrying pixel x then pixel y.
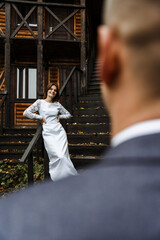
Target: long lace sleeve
{"type": "Point", "coordinates": [29, 112]}
{"type": "Point", "coordinates": [64, 114]}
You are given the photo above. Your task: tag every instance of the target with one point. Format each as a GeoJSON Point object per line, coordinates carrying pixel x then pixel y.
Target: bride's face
{"type": "Point", "coordinates": [52, 92]}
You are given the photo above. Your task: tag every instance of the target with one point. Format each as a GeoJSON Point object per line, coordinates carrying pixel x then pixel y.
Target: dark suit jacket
{"type": "Point", "coordinates": [119, 199]}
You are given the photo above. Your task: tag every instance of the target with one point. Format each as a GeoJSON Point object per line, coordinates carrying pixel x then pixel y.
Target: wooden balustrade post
{"type": "Point", "coordinates": [79, 83]}
{"type": "Point", "coordinates": [70, 97]}
{"type": "Point", "coordinates": [1, 129]}
{"type": "Point", "coordinates": [75, 88]}
{"type": "Point", "coordinates": [30, 169]}
{"type": "Point", "coordinates": [46, 164]}
{"type": "Point", "coordinates": [83, 48]}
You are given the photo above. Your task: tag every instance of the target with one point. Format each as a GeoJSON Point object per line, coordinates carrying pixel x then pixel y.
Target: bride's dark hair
{"type": "Point", "coordinates": [48, 88]}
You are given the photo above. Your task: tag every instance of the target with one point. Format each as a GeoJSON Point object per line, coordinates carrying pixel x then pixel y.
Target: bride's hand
{"type": "Point", "coordinates": [43, 121]}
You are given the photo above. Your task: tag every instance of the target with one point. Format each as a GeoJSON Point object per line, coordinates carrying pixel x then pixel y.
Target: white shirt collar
{"type": "Point", "coordinates": [136, 130]}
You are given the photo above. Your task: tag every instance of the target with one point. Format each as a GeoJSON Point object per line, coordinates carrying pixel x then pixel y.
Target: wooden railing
{"type": "Point", "coordinates": [73, 99]}
{"type": "Point", "coordinates": [28, 155]}
{"type": "Point", "coordinates": [3, 97]}
{"type": "Point", "coordinates": [47, 16]}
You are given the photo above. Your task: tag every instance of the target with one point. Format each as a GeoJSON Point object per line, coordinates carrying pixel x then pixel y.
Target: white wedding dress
{"type": "Point", "coordinates": [54, 135]}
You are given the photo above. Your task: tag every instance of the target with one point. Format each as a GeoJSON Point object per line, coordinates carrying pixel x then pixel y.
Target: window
{"type": "Point", "coordinates": [26, 83]}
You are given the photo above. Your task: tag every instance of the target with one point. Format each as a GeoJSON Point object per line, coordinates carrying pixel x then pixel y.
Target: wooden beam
{"type": "Point", "coordinates": [1, 5]}
{"type": "Point", "coordinates": [26, 84]}
{"type": "Point", "coordinates": [46, 4]}
{"type": "Point", "coordinates": [40, 52]}
{"type": "Point", "coordinates": [7, 61]}
{"type": "Point", "coordinates": [21, 83]}
{"type": "Point", "coordinates": [67, 80]}
{"type": "Point", "coordinates": [1, 33]}
{"type": "Point", "coordinates": [46, 75]}
{"type": "Point", "coordinates": [83, 49]}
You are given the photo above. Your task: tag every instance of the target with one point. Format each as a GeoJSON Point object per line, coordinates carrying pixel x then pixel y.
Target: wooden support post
{"type": "Point", "coordinates": [26, 84]}
{"type": "Point", "coordinates": [40, 51]}
{"type": "Point", "coordinates": [46, 76]}
{"type": "Point", "coordinates": [30, 169]}
{"type": "Point", "coordinates": [46, 164]}
{"type": "Point", "coordinates": [83, 49]}
{"type": "Point", "coordinates": [1, 129]}
{"type": "Point", "coordinates": [70, 97]}
{"type": "Point", "coordinates": [75, 88]}
{"type": "Point", "coordinates": [21, 83]}
{"type": "Point", "coordinates": [7, 60]}
{"type": "Point", "coordinates": [64, 93]}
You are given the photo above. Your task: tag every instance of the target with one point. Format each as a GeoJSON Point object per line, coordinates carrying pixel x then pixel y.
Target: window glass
{"type": "Point", "coordinates": [27, 79]}
{"type": "Point", "coordinates": [32, 83]}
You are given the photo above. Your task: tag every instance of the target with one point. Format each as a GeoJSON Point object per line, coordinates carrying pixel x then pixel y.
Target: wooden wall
{"type": "Point", "coordinates": [61, 51]}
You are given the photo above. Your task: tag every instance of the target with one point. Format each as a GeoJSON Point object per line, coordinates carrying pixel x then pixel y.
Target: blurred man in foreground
{"type": "Point", "coordinates": [119, 199]}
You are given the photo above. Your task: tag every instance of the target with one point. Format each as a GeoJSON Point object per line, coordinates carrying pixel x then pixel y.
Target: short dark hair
{"type": "Point", "coordinates": [48, 88]}
{"type": "Point", "coordinates": [137, 24]}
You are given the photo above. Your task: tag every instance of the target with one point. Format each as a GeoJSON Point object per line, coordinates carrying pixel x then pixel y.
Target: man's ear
{"type": "Point", "coordinates": [109, 60]}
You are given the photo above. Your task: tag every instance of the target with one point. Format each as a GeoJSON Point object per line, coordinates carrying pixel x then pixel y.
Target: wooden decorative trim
{"type": "Point", "coordinates": [46, 4]}
{"type": "Point", "coordinates": [24, 21]}
{"type": "Point", "coordinates": [61, 23]}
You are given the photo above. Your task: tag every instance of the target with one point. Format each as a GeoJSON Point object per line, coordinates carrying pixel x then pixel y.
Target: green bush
{"type": "Point", "coordinates": [13, 177]}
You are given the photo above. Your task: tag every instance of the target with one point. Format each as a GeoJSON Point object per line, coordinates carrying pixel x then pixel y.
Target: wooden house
{"type": "Point", "coordinates": [47, 41]}
{"type": "Point", "coordinates": [40, 42]}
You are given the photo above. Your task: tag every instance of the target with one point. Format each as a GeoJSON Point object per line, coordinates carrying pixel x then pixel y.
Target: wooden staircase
{"type": "Point", "coordinates": [88, 131]}
{"type": "Point", "coordinates": [89, 128]}
{"type": "Point", "coordinates": [13, 143]}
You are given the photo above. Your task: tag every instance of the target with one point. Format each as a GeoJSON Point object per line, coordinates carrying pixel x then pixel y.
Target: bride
{"type": "Point", "coordinates": [55, 138]}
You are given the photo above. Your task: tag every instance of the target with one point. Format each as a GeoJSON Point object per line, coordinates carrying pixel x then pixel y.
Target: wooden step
{"type": "Point", "coordinates": [89, 128]}
{"type": "Point", "coordinates": [19, 131]}
{"type": "Point", "coordinates": [96, 91]}
{"type": "Point", "coordinates": [81, 161]}
{"type": "Point", "coordinates": [93, 88]}
{"type": "Point", "coordinates": [87, 150]}
{"type": "Point", "coordinates": [16, 139]}
{"type": "Point", "coordinates": [90, 111]}
{"type": "Point", "coordinates": [89, 119]}
{"type": "Point", "coordinates": [12, 147]}
{"type": "Point", "coordinates": [90, 138]}
{"type": "Point", "coordinates": [90, 104]}
{"type": "Point", "coordinates": [92, 97]}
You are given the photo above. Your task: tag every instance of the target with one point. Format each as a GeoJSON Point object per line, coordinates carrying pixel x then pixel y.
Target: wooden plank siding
{"type": "Point", "coordinates": [54, 75]}
{"type": "Point", "coordinates": [77, 22]}
{"type": "Point", "coordinates": [2, 20]}
{"type": "Point", "coordinates": [24, 44]}
{"type": "Point", "coordinates": [19, 119]}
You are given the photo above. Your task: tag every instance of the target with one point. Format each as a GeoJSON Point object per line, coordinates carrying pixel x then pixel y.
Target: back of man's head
{"type": "Point", "coordinates": [137, 24]}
